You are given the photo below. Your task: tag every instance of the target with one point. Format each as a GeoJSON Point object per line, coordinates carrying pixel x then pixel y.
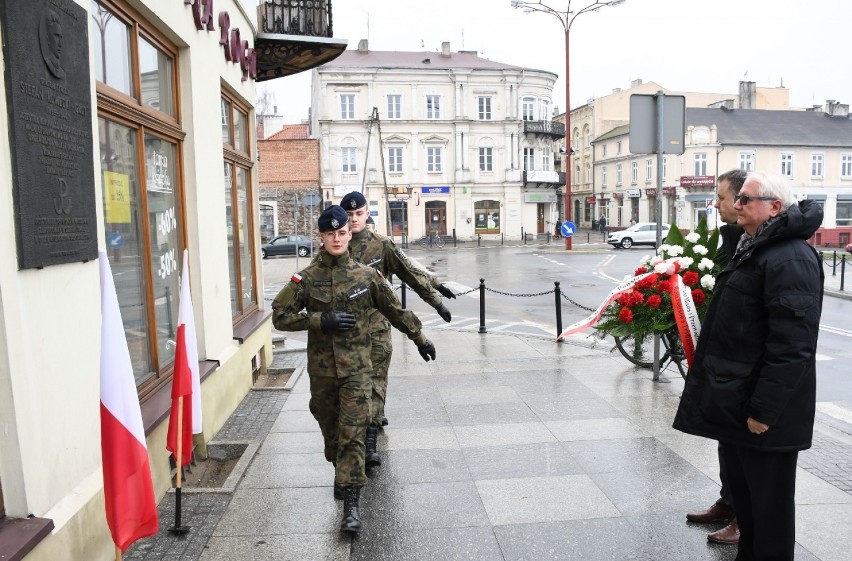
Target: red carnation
{"type": "Point", "coordinates": [624, 299]}
{"type": "Point", "coordinates": [698, 296]}
{"type": "Point", "coordinates": [640, 271]}
{"type": "Point", "coordinates": [647, 283]}
{"type": "Point", "coordinates": [636, 298]}
{"type": "Point", "coordinates": [625, 315]}
{"type": "Point", "coordinates": [664, 287]}
{"type": "Point", "coordinates": [690, 278]}
{"type": "Point", "coordinates": [654, 301]}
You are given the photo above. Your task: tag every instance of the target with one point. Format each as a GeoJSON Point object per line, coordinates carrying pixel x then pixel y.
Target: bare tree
{"type": "Point", "coordinates": [265, 104]}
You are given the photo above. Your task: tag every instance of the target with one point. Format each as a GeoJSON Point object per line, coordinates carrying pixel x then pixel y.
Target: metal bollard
{"type": "Point", "coordinates": [558, 294]}
{"type": "Point", "coordinates": [834, 264]}
{"type": "Point", "coordinates": [478, 240]}
{"type": "Point", "coordinates": [588, 237]}
{"type": "Point", "coordinates": [455, 240]}
{"type": "Point", "coordinates": [502, 241]}
{"type": "Point", "coordinates": [402, 296]}
{"type": "Point", "coordinates": [842, 271]}
{"type": "Point", "coordinates": [482, 306]}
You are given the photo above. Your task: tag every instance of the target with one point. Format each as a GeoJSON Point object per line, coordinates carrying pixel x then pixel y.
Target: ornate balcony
{"type": "Point", "coordinates": [294, 36]}
{"type": "Point", "coordinates": [552, 129]}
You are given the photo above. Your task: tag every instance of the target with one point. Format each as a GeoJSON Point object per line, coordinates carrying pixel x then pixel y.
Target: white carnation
{"type": "Point", "coordinates": [700, 249]}
{"type": "Point", "coordinates": [655, 260]}
{"type": "Point", "coordinates": [708, 282]}
{"type": "Point", "coordinates": [692, 237]}
{"type": "Point", "coordinates": [663, 248]}
{"type": "Point", "coordinates": [664, 268]}
{"type": "Point", "coordinates": [645, 260]}
{"type": "Point", "coordinates": [705, 264]}
{"type": "Point", "coordinates": [675, 250]}
{"type": "Point", "coordinates": [685, 262]}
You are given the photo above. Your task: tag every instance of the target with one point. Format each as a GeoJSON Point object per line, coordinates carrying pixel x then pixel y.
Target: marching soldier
{"type": "Point", "coordinates": [380, 252]}
{"type": "Point", "coordinates": [333, 298]}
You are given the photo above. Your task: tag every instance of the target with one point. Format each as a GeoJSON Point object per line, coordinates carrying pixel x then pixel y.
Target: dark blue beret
{"type": "Point", "coordinates": [353, 200]}
{"type": "Point", "coordinates": [332, 218]}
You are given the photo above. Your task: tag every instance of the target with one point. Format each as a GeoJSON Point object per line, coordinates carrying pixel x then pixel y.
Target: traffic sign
{"type": "Point", "coordinates": [311, 199]}
{"type": "Point", "coordinates": [568, 229]}
{"type": "Point", "coordinates": [115, 240]}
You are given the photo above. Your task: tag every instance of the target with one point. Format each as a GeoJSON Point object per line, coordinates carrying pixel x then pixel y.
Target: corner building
{"type": "Point", "coordinates": [127, 126]}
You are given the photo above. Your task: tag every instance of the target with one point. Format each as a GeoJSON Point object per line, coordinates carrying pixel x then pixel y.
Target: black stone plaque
{"type": "Point", "coordinates": [48, 94]}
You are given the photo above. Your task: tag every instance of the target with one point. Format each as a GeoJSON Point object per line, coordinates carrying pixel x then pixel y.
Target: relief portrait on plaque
{"type": "Point", "coordinates": [50, 39]}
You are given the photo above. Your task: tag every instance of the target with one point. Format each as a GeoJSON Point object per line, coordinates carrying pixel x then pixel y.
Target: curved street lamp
{"type": "Point", "coordinates": [566, 18]}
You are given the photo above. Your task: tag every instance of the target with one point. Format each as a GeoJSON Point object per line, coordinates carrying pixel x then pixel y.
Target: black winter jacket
{"type": "Point", "coordinates": [755, 355]}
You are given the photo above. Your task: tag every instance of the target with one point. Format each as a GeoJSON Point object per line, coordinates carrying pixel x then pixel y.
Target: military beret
{"type": "Point", "coordinates": [370, 220]}
{"type": "Point", "coordinates": [353, 200]}
{"type": "Point", "coordinates": [332, 218]}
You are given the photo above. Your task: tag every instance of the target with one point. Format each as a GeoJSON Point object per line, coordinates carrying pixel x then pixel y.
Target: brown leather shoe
{"type": "Point", "coordinates": [715, 513]}
{"type": "Point", "coordinates": [729, 535]}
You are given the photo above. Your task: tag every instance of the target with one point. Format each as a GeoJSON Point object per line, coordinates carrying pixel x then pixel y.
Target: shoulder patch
{"type": "Point", "coordinates": [297, 278]}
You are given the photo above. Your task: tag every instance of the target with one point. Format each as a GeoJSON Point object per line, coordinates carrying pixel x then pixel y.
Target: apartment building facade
{"type": "Point", "coordinates": [456, 144]}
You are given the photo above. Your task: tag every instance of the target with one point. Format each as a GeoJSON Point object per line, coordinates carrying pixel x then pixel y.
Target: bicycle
{"type": "Point", "coordinates": [432, 240]}
{"type": "Point", "coordinates": [640, 350]}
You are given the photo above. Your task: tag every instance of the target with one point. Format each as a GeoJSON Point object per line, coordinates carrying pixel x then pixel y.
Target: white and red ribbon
{"type": "Point", "coordinates": [686, 317]}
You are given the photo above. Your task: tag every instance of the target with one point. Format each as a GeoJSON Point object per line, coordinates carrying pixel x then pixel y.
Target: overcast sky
{"type": "Point", "coordinates": [683, 45]}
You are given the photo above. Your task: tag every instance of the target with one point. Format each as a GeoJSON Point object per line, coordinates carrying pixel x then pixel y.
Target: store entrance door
{"type": "Point", "coordinates": [436, 218]}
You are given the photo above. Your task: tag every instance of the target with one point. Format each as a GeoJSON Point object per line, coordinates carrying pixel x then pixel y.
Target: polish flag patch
{"type": "Point", "coordinates": [297, 278]}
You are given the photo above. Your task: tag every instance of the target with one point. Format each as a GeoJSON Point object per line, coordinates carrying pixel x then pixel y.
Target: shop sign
{"type": "Point", "coordinates": [539, 176]}
{"type": "Point", "coordinates": [540, 197]}
{"type": "Point", "coordinates": [634, 193]}
{"type": "Point", "coordinates": [236, 49]}
{"type": "Point", "coordinates": [435, 190]}
{"type": "Point", "coordinates": [697, 181]}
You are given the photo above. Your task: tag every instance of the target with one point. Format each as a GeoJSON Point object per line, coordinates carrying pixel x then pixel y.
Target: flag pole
{"type": "Point", "coordinates": [177, 528]}
{"type": "Point", "coordinates": [117, 553]}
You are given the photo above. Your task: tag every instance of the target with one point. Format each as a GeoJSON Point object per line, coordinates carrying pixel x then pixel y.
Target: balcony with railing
{"type": "Point", "coordinates": [294, 36]}
{"type": "Point", "coordinates": [551, 129]}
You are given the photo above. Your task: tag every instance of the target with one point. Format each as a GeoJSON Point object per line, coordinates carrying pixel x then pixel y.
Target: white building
{"type": "Point", "coordinates": [466, 143]}
{"type": "Point", "coordinates": [139, 142]}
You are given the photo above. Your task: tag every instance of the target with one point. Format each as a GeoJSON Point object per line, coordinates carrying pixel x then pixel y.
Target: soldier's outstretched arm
{"type": "Point", "coordinates": [419, 280]}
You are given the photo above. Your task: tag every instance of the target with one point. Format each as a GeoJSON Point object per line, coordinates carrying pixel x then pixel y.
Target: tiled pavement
{"type": "Point", "coordinates": [506, 448]}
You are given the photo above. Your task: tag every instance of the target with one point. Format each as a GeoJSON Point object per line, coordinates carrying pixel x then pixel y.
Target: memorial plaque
{"type": "Point", "coordinates": [48, 95]}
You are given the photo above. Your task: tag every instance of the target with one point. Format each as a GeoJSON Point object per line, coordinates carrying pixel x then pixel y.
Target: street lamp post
{"type": "Point", "coordinates": [566, 18]}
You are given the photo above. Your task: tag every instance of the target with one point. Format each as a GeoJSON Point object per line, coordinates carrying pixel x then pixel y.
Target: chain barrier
{"type": "Point", "coordinates": [529, 295]}
{"type": "Point", "coordinates": [521, 295]}
{"type": "Point", "coordinates": [582, 307]}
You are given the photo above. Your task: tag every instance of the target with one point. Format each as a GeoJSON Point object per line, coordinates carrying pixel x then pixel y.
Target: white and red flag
{"type": "Point", "coordinates": [185, 416]}
{"type": "Point", "coordinates": [131, 508]}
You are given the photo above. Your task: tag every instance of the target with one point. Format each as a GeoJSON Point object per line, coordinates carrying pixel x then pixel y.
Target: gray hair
{"type": "Point", "coordinates": [773, 185]}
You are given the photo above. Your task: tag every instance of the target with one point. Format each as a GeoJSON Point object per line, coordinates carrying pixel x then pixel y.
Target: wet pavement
{"type": "Point", "coordinates": [507, 447]}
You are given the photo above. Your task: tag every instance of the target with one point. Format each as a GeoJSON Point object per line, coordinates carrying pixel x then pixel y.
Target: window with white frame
{"type": "Point", "coordinates": [588, 173]}
{"type": "Point", "coordinates": [846, 165]}
{"type": "Point", "coordinates": [576, 144]}
{"type": "Point", "coordinates": [484, 108]}
{"type": "Point", "coordinates": [528, 109]}
{"type": "Point", "coordinates": [348, 158]}
{"type": "Point", "coordinates": [433, 106]}
{"type": "Point", "coordinates": [587, 137]}
{"type": "Point", "coordinates": [486, 159]}
{"type": "Point", "coordinates": [618, 147]}
{"type": "Point", "coordinates": [843, 214]}
{"type": "Point", "coordinates": [603, 176]}
{"type": "Point", "coordinates": [529, 159]}
{"type": "Point", "coordinates": [545, 110]}
{"type": "Point", "coordinates": [817, 165]}
{"type": "Point", "coordinates": [787, 164]}
{"type": "Point", "coordinates": [576, 178]}
{"type": "Point", "coordinates": [433, 159]}
{"type": "Point", "coordinates": [394, 106]}
{"type": "Point", "coordinates": [347, 106]}
{"type": "Point", "coordinates": [700, 164]}
{"type": "Point", "coordinates": [649, 169]}
{"type": "Point", "coordinates": [634, 173]}
{"type": "Point", "coordinates": [546, 158]}
{"type": "Point", "coordinates": [603, 150]}
{"type": "Point", "coordinates": [747, 161]}
{"type": "Point", "coordinates": [395, 159]}
{"type": "Point", "coordinates": [618, 173]}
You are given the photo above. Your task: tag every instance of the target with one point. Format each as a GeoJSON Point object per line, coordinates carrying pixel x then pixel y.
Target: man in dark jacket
{"type": "Point", "coordinates": [752, 383]}
{"type": "Point", "coordinates": [729, 185]}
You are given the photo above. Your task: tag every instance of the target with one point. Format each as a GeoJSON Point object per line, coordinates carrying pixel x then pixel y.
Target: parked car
{"type": "Point", "coordinates": [642, 233]}
{"type": "Point", "coordinates": [849, 247]}
{"type": "Point", "coordinates": [291, 244]}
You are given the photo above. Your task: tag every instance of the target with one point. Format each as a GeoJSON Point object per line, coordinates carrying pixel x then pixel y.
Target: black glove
{"type": "Point", "coordinates": [445, 292]}
{"type": "Point", "coordinates": [337, 321]}
{"type": "Point", "coordinates": [444, 313]}
{"type": "Point", "coordinates": [427, 350]}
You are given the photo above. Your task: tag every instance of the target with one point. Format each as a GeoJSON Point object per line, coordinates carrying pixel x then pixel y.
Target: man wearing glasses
{"type": "Point", "coordinates": [752, 383]}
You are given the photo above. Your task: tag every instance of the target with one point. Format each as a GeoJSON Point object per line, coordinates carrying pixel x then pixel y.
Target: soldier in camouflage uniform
{"type": "Point", "coordinates": [333, 299]}
{"type": "Point", "coordinates": [380, 252]}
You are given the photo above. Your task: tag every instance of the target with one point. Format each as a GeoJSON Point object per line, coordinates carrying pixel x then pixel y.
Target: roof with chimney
{"type": "Point", "coordinates": [441, 60]}
{"type": "Point", "coordinates": [778, 128]}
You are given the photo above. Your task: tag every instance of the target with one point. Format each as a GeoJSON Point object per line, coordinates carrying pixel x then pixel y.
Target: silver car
{"type": "Point", "coordinates": [642, 233]}
{"type": "Point", "coordinates": [287, 245]}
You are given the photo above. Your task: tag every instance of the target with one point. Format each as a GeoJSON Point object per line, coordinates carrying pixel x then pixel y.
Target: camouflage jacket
{"type": "Point", "coordinates": [340, 284]}
{"type": "Point", "coordinates": [379, 252]}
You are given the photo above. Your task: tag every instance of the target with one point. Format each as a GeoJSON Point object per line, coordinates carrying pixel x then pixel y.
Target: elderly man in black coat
{"type": "Point", "coordinates": [752, 383]}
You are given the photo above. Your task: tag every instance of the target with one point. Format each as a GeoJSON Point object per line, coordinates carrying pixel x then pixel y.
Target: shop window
{"type": "Point", "coordinates": [140, 143]}
{"type": "Point", "coordinates": [239, 194]}
{"type": "Point", "coordinates": [487, 214]}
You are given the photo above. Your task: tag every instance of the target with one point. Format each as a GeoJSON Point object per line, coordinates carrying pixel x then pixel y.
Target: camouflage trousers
{"type": "Point", "coordinates": [341, 407]}
{"type": "Point", "coordinates": [380, 356]}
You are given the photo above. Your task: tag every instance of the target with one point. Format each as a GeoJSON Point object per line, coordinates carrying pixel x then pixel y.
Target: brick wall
{"type": "Point", "coordinates": [289, 167]}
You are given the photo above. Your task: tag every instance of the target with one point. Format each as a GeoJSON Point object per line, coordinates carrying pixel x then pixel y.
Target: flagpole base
{"type": "Point", "coordinates": [178, 530]}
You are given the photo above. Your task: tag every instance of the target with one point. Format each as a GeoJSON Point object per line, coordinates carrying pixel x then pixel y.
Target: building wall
{"type": "Point", "coordinates": [50, 464]}
{"type": "Point", "coordinates": [459, 132]}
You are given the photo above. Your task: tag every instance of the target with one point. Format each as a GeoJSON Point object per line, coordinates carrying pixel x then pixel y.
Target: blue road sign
{"type": "Point", "coordinates": [568, 229]}
{"type": "Point", "coordinates": [115, 240]}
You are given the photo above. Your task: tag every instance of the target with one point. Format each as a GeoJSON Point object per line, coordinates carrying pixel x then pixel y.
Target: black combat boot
{"type": "Point", "coordinates": [371, 457]}
{"type": "Point", "coordinates": [351, 510]}
{"type": "Point", "coordinates": [338, 492]}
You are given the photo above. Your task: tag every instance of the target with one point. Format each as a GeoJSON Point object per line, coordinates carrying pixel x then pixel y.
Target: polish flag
{"type": "Point", "coordinates": [131, 509]}
{"type": "Point", "coordinates": [186, 382]}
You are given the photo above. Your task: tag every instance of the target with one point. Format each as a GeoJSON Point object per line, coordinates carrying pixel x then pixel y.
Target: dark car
{"type": "Point", "coordinates": [291, 244]}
